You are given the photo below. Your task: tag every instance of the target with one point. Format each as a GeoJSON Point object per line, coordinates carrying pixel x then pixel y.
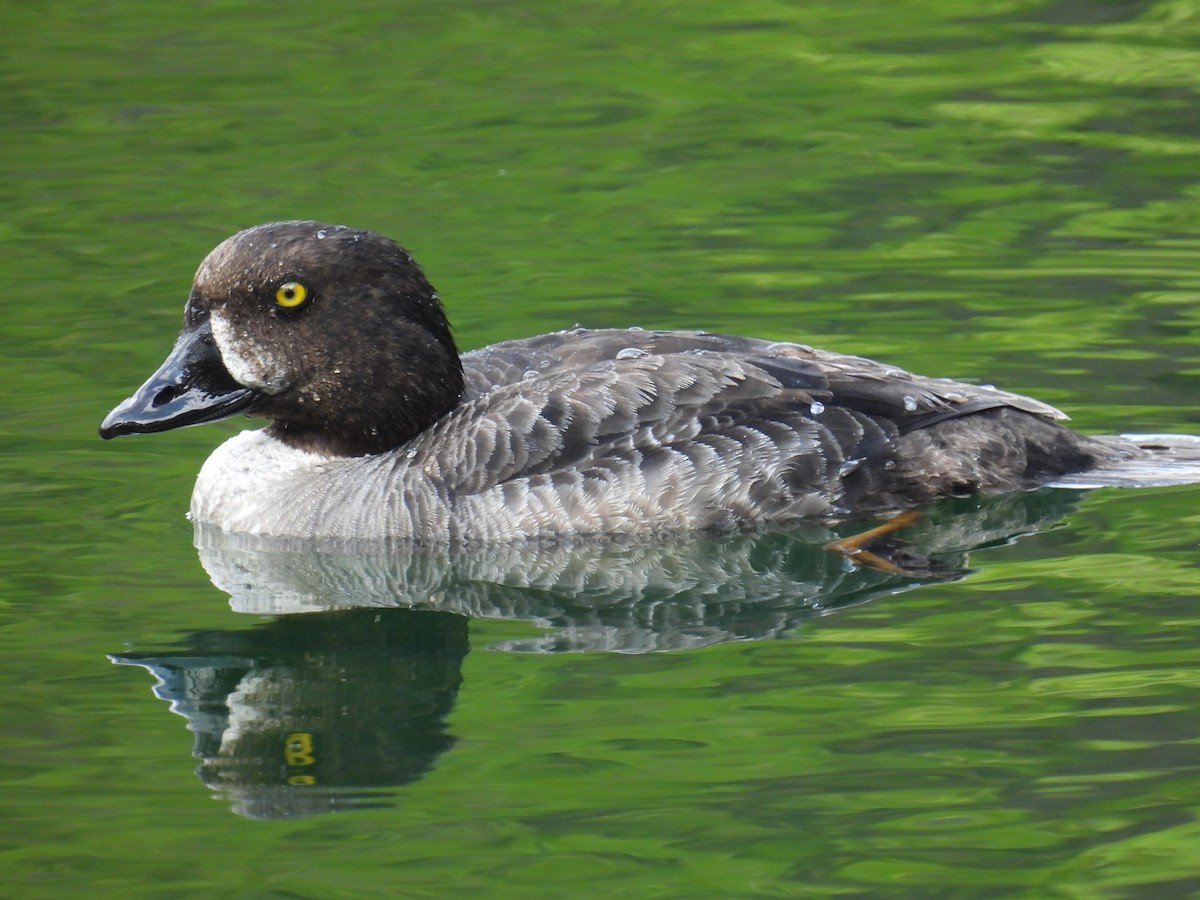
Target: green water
{"type": "Point", "coordinates": [1000, 191]}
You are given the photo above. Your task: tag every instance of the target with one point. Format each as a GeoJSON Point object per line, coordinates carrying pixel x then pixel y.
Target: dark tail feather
{"type": "Point", "coordinates": [1147, 460]}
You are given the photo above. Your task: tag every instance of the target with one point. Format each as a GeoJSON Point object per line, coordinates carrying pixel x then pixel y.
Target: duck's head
{"type": "Point", "coordinates": [331, 333]}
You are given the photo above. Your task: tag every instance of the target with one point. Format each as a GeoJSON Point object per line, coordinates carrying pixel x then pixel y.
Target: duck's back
{"type": "Point", "coordinates": [629, 431]}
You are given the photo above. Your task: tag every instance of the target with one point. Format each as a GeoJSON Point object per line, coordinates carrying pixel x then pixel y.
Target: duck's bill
{"type": "Point", "coordinates": [191, 386]}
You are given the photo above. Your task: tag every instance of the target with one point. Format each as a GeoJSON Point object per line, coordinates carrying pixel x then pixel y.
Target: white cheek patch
{"type": "Point", "coordinates": [248, 361]}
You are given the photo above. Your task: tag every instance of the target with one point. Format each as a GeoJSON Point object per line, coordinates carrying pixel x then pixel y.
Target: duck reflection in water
{"type": "Point", "coordinates": [312, 714]}
{"type": "Point", "coordinates": [328, 710]}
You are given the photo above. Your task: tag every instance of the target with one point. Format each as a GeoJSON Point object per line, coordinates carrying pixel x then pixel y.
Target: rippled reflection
{"type": "Point", "coordinates": [345, 692]}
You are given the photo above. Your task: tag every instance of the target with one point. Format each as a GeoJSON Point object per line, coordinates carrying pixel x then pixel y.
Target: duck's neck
{"type": "Point", "coordinates": [378, 402]}
{"type": "Point", "coordinates": [359, 435]}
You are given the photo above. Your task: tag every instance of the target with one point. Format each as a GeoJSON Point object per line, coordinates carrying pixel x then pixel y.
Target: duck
{"type": "Point", "coordinates": [378, 428]}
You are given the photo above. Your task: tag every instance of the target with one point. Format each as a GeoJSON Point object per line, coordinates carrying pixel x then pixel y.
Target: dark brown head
{"type": "Point", "coordinates": [333, 334]}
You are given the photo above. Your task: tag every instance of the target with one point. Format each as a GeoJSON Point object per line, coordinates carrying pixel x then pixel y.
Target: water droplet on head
{"type": "Point", "coordinates": [529, 374]}
{"type": "Point", "coordinates": [410, 452]}
{"type": "Point", "coordinates": [910, 403]}
{"type": "Point", "coordinates": [631, 353]}
{"type": "Point", "coordinates": [636, 328]}
{"type": "Point", "coordinates": [321, 235]}
{"type": "Point", "coordinates": [817, 408]}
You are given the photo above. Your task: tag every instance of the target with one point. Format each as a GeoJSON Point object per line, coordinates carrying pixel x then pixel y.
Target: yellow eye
{"type": "Point", "coordinates": [291, 295]}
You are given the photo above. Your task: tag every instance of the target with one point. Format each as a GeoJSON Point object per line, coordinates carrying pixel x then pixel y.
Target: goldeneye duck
{"type": "Point", "coordinates": [377, 428]}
